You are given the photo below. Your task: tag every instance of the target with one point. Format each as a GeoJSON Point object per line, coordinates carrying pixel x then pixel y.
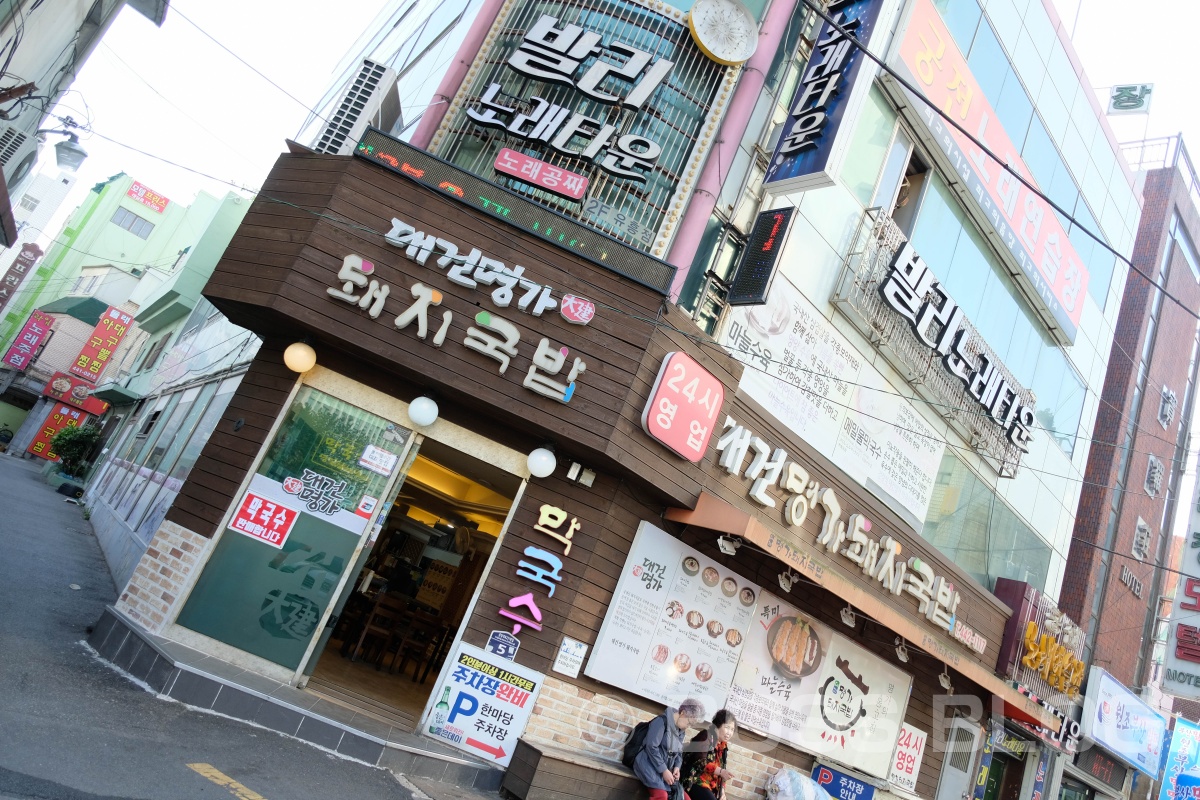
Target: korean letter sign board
{"type": "Point", "coordinates": [910, 751]}
{"type": "Point", "coordinates": [24, 347]}
{"type": "Point", "coordinates": [753, 279]}
{"type": "Point", "coordinates": [61, 416]}
{"type": "Point", "coordinates": [841, 786]}
{"type": "Point", "coordinates": [98, 350]}
{"type": "Point", "coordinates": [17, 271]}
{"type": "Point", "coordinates": [1120, 722]}
{"type": "Point", "coordinates": [811, 145]}
{"type": "Point", "coordinates": [484, 704]}
{"type": "Point", "coordinates": [264, 519]}
{"type": "Point", "coordinates": [148, 197]}
{"type": "Point", "coordinates": [1183, 762]}
{"type": "Point", "coordinates": [1024, 223]}
{"type": "Point", "coordinates": [78, 393]}
{"type": "Point", "coordinates": [683, 406]}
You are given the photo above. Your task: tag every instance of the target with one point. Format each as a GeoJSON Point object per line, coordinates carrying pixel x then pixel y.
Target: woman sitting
{"type": "Point", "coordinates": [703, 772]}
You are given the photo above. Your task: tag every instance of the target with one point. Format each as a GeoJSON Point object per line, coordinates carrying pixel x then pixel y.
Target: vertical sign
{"type": "Point", "coordinates": [1024, 222]}
{"type": "Point", "coordinates": [906, 765]}
{"type": "Point", "coordinates": [29, 255]}
{"type": "Point", "coordinates": [985, 761]}
{"type": "Point", "coordinates": [1181, 775]}
{"type": "Point", "coordinates": [33, 334]}
{"type": "Point", "coordinates": [148, 197]}
{"type": "Point", "coordinates": [753, 279]}
{"type": "Point", "coordinates": [100, 346]}
{"type": "Point", "coordinates": [484, 704]}
{"type": "Point", "coordinates": [810, 149]}
{"type": "Point", "coordinates": [60, 417]}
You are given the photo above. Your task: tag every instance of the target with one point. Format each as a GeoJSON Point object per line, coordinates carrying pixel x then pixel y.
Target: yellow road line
{"type": "Point", "coordinates": [221, 779]}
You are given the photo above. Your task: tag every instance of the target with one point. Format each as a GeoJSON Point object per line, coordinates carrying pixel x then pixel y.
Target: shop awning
{"type": "Point", "coordinates": [716, 514]}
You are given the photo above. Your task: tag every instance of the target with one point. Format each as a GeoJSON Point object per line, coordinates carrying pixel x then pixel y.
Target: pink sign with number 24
{"type": "Point", "coordinates": [683, 406]}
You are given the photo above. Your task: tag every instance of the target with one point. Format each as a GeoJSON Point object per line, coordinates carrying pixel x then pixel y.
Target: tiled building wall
{"type": "Point", "coordinates": [161, 575]}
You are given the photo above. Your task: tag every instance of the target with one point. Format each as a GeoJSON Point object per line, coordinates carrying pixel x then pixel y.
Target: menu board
{"type": "Point", "coordinates": [677, 623]}
{"type": "Point", "coordinates": [807, 374]}
{"type": "Point", "coordinates": [801, 682]}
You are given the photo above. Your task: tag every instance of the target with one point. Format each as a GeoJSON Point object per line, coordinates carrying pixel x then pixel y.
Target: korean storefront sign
{"type": "Point", "coordinates": [492, 336]}
{"type": "Point", "coordinates": [1120, 722]}
{"type": "Point", "coordinates": [552, 53]}
{"type": "Point", "coordinates": [541, 568]}
{"type": "Point", "coordinates": [484, 704]}
{"type": "Point", "coordinates": [1042, 647]}
{"type": "Point", "coordinates": [963, 352]}
{"type": "Point", "coordinates": [78, 393]}
{"type": "Point", "coordinates": [812, 145]}
{"type": "Point", "coordinates": [805, 372]}
{"type": "Point", "coordinates": [1108, 771]}
{"type": "Point", "coordinates": [1181, 674]}
{"type": "Point", "coordinates": [1023, 221]}
{"type": "Point", "coordinates": [33, 334]}
{"type": "Point", "coordinates": [15, 275]}
{"type": "Point", "coordinates": [676, 625]}
{"type": "Point", "coordinates": [880, 559]}
{"type": "Point", "coordinates": [98, 350]}
{"type": "Point", "coordinates": [910, 752]}
{"type": "Point", "coordinates": [264, 519]}
{"type": "Point", "coordinates": [1130, 98]}
{"type": "Point", "coordinates": [841, 786]}
{"type": "Point", "coordinates": [682, 409]}
{"type": "Point", "coordinates": [148, 197]}
{"type": "Point", "coordinates": [1181, 773]}
{"type": "Point", "coordinates": [61, 416]}
{"type": "Point", "coordinates": [801, 682]}
{"type": "Point", "coordinates": [538, 173]}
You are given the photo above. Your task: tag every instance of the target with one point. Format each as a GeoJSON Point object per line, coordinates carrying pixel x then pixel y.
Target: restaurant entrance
{"type": "Point", "coordinates": [403, 606]}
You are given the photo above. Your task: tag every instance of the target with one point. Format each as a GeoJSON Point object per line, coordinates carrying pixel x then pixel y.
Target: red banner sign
{"type": "Point", "coordinates": [263, 519]}
{"type": "Point", "coordinates": [62, 416]}
{"type": "Point", "coordinates": [99, 348]}
{"type": "Point", "coordinates": [36, 331]}
{"type": "Point", "coordinates": [1025, 223]}
{"type": "Point", "coordinates": [12, 280]}
{"type": "Point", "coordinates": [540, 174]}
{"type": "Point", "coordinates": [77, 392]}
{"type": "Point", "coordinates": [148, 197]}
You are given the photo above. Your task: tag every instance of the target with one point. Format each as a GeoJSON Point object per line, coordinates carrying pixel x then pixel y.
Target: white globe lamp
{"type": "Point", "coordinates": [300, 357]}
{"type": "Point", "coordinates": [541, 462]}
{"type": "Point", "coordinates": [423, 411]}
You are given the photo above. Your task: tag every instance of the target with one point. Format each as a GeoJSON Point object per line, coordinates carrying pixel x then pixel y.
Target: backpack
{"type": "Point", "coordinates": [634, 744]}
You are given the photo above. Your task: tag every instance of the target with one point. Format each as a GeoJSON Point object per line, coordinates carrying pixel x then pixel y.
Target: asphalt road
{"type": "Point", "coordinates": [73, 729]}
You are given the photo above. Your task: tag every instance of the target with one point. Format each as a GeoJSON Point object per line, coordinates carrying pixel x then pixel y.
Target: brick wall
{"type": "Point", "coordinates": [1122, 612]}
{"type": "Point", "coordinates": [596, 724]}
{"type": "Point", "coordinates": [161, 575]}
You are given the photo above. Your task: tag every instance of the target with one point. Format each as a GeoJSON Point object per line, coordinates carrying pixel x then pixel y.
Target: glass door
{"type": "Point", "coordinates": [299, 524]}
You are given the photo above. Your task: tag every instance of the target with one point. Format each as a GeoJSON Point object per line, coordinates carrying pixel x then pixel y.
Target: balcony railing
{"type": "Point", "coordinates": [865, 269]}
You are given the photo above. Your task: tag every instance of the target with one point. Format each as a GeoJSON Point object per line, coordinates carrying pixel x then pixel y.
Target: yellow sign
{"type": "Point", "coordinates": [1057, 665]}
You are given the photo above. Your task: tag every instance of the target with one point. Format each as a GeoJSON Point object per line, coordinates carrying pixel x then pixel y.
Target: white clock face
{"type": "Point", "coordinates": [724, 29]}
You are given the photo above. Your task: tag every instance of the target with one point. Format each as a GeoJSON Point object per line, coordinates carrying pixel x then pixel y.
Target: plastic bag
{"type": "Point", "coordinates": [788, 784]}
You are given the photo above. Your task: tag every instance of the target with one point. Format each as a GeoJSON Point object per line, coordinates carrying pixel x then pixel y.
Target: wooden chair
{"type": "Point", "coordinates": [415, 641]}
{"type": "Point", "coordinates": [386, 615]}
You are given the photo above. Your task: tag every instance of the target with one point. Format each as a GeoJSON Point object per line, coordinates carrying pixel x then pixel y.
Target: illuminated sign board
{"type": "Point", "coordinates": [753, 279]}
{"type": "Point", "coordinates": [502, 204]}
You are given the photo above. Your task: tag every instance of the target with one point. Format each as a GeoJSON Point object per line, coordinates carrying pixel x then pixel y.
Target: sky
{"type": "Point", "coordinates": [175, 93]}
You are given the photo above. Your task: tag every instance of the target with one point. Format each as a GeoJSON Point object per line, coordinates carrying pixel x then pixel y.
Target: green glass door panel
{"type": "Point", "coordinates": [318, 487]}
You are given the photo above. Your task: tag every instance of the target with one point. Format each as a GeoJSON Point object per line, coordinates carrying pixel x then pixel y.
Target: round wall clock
{"type": "Point", "coordinates": [724, 29]}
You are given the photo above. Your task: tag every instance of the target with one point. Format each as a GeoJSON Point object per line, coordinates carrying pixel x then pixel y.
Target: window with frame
{"type": "Point", "coordinates": [124, 218]}
{"type": "Point", "coordinates": [29, 203]}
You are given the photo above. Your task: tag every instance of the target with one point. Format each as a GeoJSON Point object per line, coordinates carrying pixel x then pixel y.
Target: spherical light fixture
{"type": "Point", "coordinates": [300, 357]}
{"type": "Point", "coordinates": [541, 462]}
{"type": "Point", "coordinates": [423, 411]}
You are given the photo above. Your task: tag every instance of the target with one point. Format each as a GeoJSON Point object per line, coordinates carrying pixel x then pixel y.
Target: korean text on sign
{"type": "Point", "coordinates": [263, 519]}
{"type": "Point", "coordinates": [101, 345]}
{"type": "Point", "coordinates": [540, 174]}
{"type": "Point", "coordinates": [61, 417]}
{"type": "Point", "coordinates": [682, 406]}
{"type": "Point", "coordinates": [23, 349]}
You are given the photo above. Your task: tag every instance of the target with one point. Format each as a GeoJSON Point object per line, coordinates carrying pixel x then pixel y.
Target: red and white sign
{"type": "Point", "coordinates": [60, 417]}
{"type": "Point", "coordinates": [100, 347]}
{"type": "Point", "coordinates": [540, 174]}
{"type": "Point", "coordinates": [36, 330]}
{"type": "Point", "coordinates": [148, 197]}
{"type": "Point", "coordinates": [366, 506]}
{"type": "Point", "coordinates": [263, 519]}
{"type": "Point", "coordinates": [577, 310]}
{"type": "Point", "coordinates": [906, 766]}
{"type": "Point", "coordinates": [78, 393]}
{"type": "Point", "coordinates": [683, 406]}
{"type": "Point", "coordinates": [378, 460]}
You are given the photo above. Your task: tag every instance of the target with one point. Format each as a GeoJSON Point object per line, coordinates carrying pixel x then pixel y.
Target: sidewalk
{"type": "Point", "coordinates": [72, 728]}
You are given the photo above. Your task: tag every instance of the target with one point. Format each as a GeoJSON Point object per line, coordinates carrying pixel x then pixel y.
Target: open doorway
{"type": "Point", "coordinates": [404, 604]}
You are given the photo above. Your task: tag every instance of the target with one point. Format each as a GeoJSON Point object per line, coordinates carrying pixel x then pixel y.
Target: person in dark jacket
{"type": "Point", "coordinates": [657, 765]}
{"type": "Point", "coordinates": [704, 770]}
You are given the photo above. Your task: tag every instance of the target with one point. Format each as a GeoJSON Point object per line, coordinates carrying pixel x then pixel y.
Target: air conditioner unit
{"type": "Point", "coordinates": [18, 154]}
{"type": "Point", "coordinates": [370, 99]}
